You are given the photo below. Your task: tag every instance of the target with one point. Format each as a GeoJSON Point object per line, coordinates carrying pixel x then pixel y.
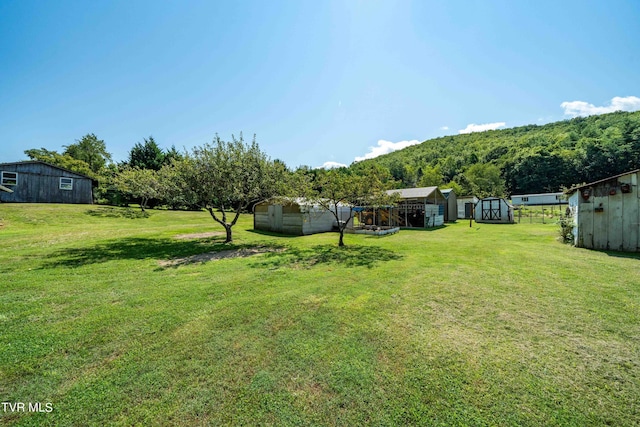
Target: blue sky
{"type": "Point", "coordinates": [316, 81]}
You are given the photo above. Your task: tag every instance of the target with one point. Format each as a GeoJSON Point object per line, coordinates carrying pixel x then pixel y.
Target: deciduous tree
{"type": "Point", "coordinates": [91, 150]}
{"type": "Point", "coordinates": [143, 184]}
{"type": "Point", "coordinates": [336, 188]}
{"type": "Point", "coordinates": [226, 178]}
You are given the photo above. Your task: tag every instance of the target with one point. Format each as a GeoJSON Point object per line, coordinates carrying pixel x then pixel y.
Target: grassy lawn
{"type": "Point", "coordinates": [482, 325]}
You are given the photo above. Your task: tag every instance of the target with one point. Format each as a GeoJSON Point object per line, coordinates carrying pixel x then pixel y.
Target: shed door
{"type": "Point", "coordinates": [491, 210]}
{"type": "Point", "coordinates": [275, 218]}
{"type": "Point", "coordinates": [468, 210]}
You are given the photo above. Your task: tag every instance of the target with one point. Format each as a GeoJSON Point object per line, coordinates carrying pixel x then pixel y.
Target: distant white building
{"type": "Point", "coordinates": [539, 199]}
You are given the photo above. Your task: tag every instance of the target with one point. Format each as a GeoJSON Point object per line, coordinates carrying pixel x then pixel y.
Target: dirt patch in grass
{"type": "Point", "coordinates": [214, 256]}
{"type": "Point", "coordinates": [198, 235]}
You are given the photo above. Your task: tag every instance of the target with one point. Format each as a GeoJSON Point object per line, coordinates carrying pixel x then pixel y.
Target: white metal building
{"type": "Point", "coordinates": [297, 217]}
{"type": "Point", "coordinates": [539, 199]}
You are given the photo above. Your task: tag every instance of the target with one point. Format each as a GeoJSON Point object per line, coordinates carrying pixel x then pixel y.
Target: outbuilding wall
{"type": "Point", "coordinates": [465, 206]}
{"type": "Point", "coordinates": [451, 213]}
{"type": "Point", "coordinates": [609, 218]}
{"type": "Point", "coordinates": [295, 219]}
{"type": "Point", "coordinates": [40, 183]}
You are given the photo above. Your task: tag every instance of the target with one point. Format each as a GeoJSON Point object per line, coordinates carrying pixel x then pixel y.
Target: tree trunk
{"type": "Point", "coordinates": [228, 229]}
{"type": "Point", "coordinates": [341, 242]}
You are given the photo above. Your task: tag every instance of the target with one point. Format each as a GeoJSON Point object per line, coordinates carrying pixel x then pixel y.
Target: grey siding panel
{"type": "Point", "coordinates": [631, 222]}
{"type": "Point", "coordinates": [40, 183]}
{"type": "Point", "coordinates": [615, 222]}
{"type": "Point", "coordinates": [585, 221]}
{"type": "Point", "coordinates": [600, 222]}
{"type": "Point", "coordinates": [631, 214]}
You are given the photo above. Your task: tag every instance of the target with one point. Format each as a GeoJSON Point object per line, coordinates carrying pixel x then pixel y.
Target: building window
{"type": "Point", "coordinates": [66, 183]}
{"type": "Point", "coordinates": [525, 199]}
{"type": "Point", "coordinates": [9, 178]}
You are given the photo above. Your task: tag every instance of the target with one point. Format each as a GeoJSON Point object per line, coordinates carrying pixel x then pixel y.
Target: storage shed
{"type": "Point", "coordinates": [40, 182]}
{"type": "Point", "coordinates": [606, 213]}
{"type": "Point", "coordinates": [296, 217]}
{"type": "Point", "coordinates": [493, 210]}
{"type": "Point", "coordinates": [417, 208]}
{"type": "Point", "coordinates": [465, 206]}
{"type": "Point", "coordinates": [451, 211]}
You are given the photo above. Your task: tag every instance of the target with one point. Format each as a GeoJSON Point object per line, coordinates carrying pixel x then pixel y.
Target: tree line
{"type": "Point", "coordinates": [226, 178]}
{"type": "Point", "coordinates": [223, 178]}
{"type": "Point", "coordinates": [522, 160]}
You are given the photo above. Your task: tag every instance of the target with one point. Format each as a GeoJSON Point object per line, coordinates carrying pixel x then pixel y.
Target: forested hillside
{"type": "Point", "coordinates": [527, 159]}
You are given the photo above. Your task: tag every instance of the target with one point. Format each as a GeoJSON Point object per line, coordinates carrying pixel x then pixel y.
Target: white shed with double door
{"type": "Point", "coordinates": [493, 210]}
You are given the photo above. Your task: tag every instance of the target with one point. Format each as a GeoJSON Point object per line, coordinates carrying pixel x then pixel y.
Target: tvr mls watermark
{"type": "Point", "coordinates": [27, 407]}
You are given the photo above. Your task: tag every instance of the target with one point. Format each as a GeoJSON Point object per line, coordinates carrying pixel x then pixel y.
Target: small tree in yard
{"type": "Point", "coordinates": [228, 177]}
{"type": "Point", "coordinates": [340, 187]}
{"type": "Point", "coordinates": [143, 184]}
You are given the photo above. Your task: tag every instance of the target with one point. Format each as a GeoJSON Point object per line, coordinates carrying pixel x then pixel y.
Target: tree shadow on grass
{"type": "Point", "coordinates": [113, 212]}
{"type": "Point", "coordinates": [349, 256]}
{"type": "Point", "coordinates": [137, 248]}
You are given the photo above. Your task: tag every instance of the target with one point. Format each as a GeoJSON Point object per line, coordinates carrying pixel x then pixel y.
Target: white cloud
{"type": "Point", "coordinates": [385, 147]}
{"type": "Point", "coordinates": [581, 108]}
{"type": "Point", "coordinates": [331, 165]}
{"type": "Point", "coordinates": [444, 128]}
{"type": "Point", "coordinates": [472, 127]}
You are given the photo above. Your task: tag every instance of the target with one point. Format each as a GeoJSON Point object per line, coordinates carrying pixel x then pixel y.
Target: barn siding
{"type": "Point", "coordinates": [608, 221]}
{"type": "Point", "coordinates": [40, 183]}
{"type": "Point", "coordinates": [631, 215]}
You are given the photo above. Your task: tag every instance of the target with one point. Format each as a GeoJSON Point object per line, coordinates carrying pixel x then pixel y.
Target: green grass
{"type": "Point", "coordinates": [482, 325]}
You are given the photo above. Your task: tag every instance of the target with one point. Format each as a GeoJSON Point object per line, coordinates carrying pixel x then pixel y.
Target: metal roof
{"type": "Point", "coordinates": [577, 187]}
{"type": "Point", "coordinates": [537, 194]}
{"type": "Point", "coordinates": [26, 162]}
{"type": "Point", "coordinates": [414, 193]}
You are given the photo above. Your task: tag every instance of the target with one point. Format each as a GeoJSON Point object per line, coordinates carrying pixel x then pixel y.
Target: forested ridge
{"type": "Point", "coordinates": [521, 160]}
